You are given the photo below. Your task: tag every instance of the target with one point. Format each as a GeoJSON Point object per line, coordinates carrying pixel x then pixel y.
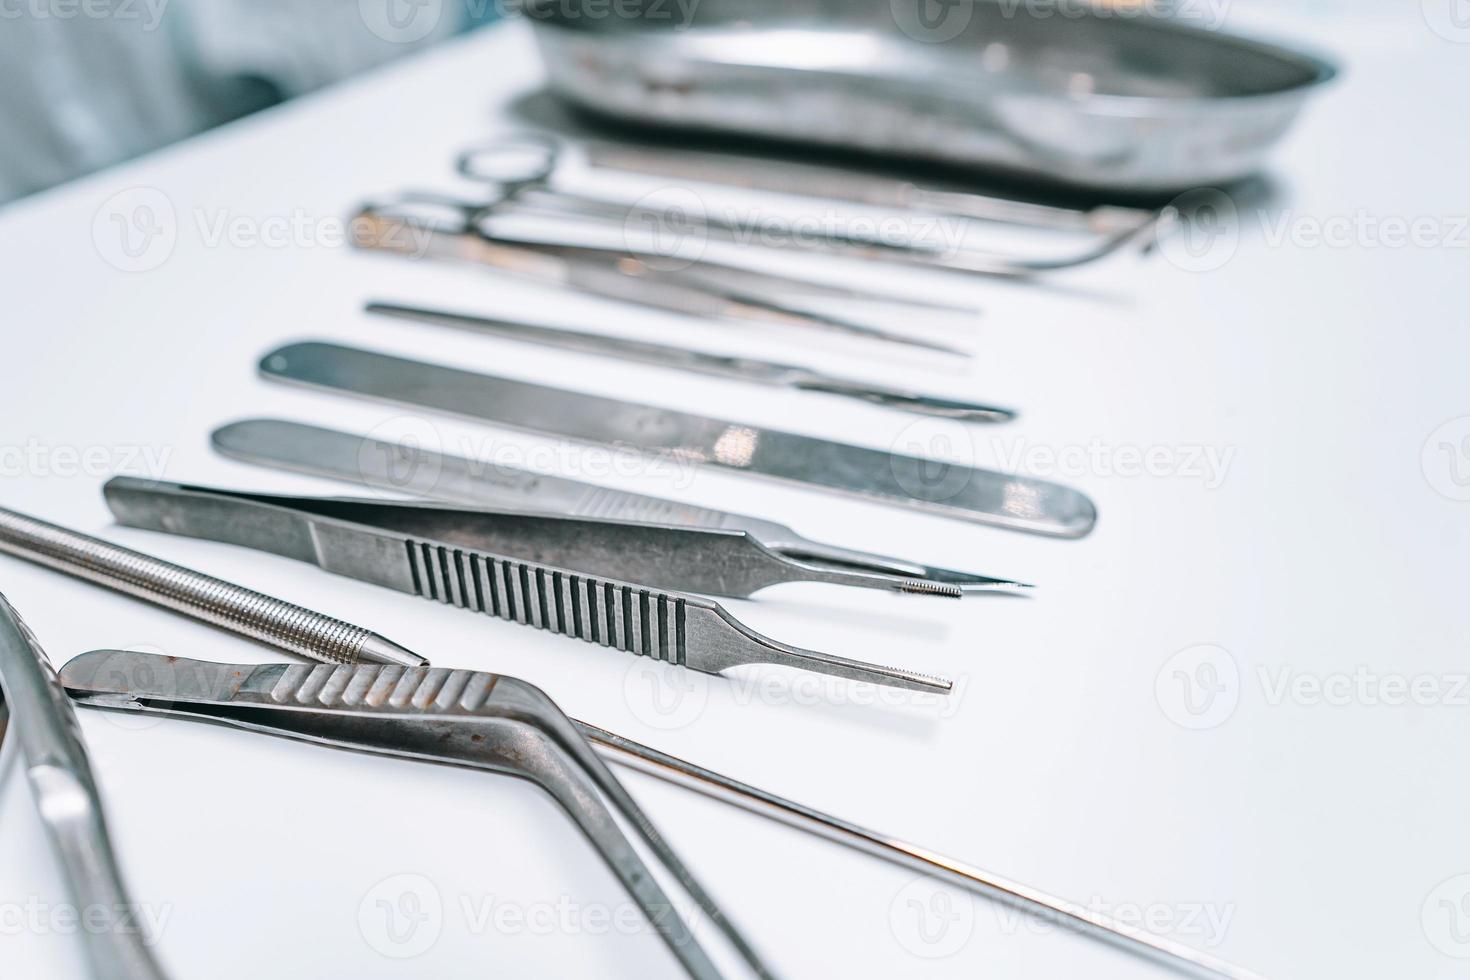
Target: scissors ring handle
{"type": "Point", "coordinates": [425, 209]}
{"type": "Point", "coordinates": [511, 162]}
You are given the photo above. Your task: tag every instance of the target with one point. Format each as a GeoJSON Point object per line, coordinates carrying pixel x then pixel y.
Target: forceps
{"type": "Point", "coordinates": [439, 553]}
{"type": "Point", "coordinates": [310, 634]}
{"type": "Point", "coordinates": [432, 714]}
{"type": "Point", "coordinates": [522, 170]}
{"type": "Point", "coordinates": [409, 470]}
{"type": "Point", "coordinates": [67, 798]}
{"type": "Point", "coordinates": [441, 226]}
{"type": "Point", "coordinates": [694, 559]}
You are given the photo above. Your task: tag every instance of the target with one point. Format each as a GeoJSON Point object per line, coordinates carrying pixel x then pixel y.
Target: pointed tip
{"type": "Point", "coordinates": [998, 587]}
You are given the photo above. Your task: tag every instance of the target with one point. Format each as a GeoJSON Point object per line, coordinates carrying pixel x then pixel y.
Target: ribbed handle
{"type": "Point", "coordinates": [232, 607]}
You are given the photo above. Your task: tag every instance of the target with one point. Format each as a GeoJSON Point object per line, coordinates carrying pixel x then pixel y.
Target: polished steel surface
{"type": "Point", "coordinates": [455, 717]}
{"type": "Point", "coordinates": [774, 175]}
{"type": "Point", "coordinates": [425, 225]}
{"type": "Point", "coordinates": [1113, 99]}
{"type": "Point", "coordinates": [631, 754]}
{"type": "Point", "coordinates": [1049, 909]}
{"type": "Point", "coordinates": [410, 470]}
{"type": "Point", "coordinates": [714, 561]}
{"type": "Point", "coordinates": [195, 594]}
{"type": "Point", "coordinates": [60, 776]}
{"type": "Point", "coordinates": [521, 169]}
{"type": "Point", "coordinates": [933, 486]}
{"type": "Point", "coordinates": [436, 552]}
{"type": "Point", "coordinates": [716, 365]}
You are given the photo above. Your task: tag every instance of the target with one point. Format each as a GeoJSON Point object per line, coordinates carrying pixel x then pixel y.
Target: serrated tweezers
{"type": "Point", "coordinates": [455, 717]}
{"type": "Point", "coordinates": [407, 469]}
{"type": "Point", "coordinates": [446, 554]}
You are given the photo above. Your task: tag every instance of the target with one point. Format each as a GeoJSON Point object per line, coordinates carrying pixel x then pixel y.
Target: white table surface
{"type": "Point", "coordinates": [1298, 834]}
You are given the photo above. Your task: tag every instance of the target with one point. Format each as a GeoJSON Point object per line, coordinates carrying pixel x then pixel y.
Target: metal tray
{"type": "Point", "coordinates": [1051, 89]}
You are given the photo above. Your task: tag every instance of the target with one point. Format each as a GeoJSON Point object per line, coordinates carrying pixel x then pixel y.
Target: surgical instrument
{"type": "Point", "coordinates": [933, 486]}
{"type": "Point", "coordinates": [195, 594]}
{"type": "Point", "coordinates": [440, 554]}
{"type": "Point", "coordinates": [279, 627]}
{"type": "Point", "coordinates": [690, 559]}
{"type": "Point", "coordinates": [441, 227]}
{"type": "Point", "coordinates": [717, 365]}
{"type": "Point", "coordinates": [777, 176]}
{"type": "Point", "coordinates": [1137, 104]}
{"type": "Point", "coordinates": [401, 468]}
{"type": "Point", "coordinates": [60, 776]}
{"type": "Point", "coordinates": [521, 169]}
{"type": "Point", "coordinates": [431, 714]}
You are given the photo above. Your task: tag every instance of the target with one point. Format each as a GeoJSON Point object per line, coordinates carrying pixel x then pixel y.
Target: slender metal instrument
{"type": "Point", "coordinates": [716, 365]}
{"type": "Point", "coordinates": [405, 469]}
{"type": "Point", "coordinates": [665, 556]}
{"type": "Point", "coordinates": [118, 947]}
{"type": "Point", "coordinates": [830, 183]}
{"type": "Point", "coordinates": [195, 594]}
{"type": "Point", "coordinates": [424, 225]}
{"type": "Point", "coordinates": [522, 168]}
{"type": "Point", "coordinates": [439, 553]}
{"type": "Point", "coordinates": [280, 626]}
{"type": "Point", "coordinates": [948, 490]}
{"type": "Point", "coordinates": [455, 717]}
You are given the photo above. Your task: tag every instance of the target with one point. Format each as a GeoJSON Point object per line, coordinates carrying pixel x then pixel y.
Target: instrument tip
{"type": "Point", "coordinates": [381, 650]}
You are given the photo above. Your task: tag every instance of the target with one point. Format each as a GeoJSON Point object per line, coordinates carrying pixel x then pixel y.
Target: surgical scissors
{"type": "Point", "coordinates": [522, 171]}
{"type": "Point", "coordinates": [423, 224]}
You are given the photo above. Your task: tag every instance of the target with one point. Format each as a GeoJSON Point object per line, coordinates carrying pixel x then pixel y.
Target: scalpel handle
{"type": "Point", "coordinates": [203, 597]}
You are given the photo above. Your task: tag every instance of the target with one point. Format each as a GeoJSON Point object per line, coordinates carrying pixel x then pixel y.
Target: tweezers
{"type": "Point", "coordinates": [432, 714]}
{"type": "Point", "coordinates": [690, 559]}
{"type": "Point", "coordinates": [440, 553]}
{"type": "Point", "coordinates": [313, 635]}
{"type": "Point", "coordinates": [707, 289]}
{"type": "Point", "coordinates": [410, 470]}
{"type": "Point", "coordinates": [69, 804]}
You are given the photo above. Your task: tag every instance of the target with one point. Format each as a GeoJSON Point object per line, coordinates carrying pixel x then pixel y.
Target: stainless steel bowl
{"type": "Point", "coordinates": [1085, 96]}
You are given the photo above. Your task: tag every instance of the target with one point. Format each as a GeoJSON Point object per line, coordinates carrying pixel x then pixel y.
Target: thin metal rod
{"type": "Point", "coordinates": [626, 752]}
{"type": "Point", "coordinates": [1186, 960]}
{"type": "Point", "coordinates": [246, 612]}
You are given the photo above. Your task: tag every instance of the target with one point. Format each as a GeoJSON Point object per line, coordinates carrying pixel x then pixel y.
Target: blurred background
{"type": "Point", "coordinates": [88, 83]}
